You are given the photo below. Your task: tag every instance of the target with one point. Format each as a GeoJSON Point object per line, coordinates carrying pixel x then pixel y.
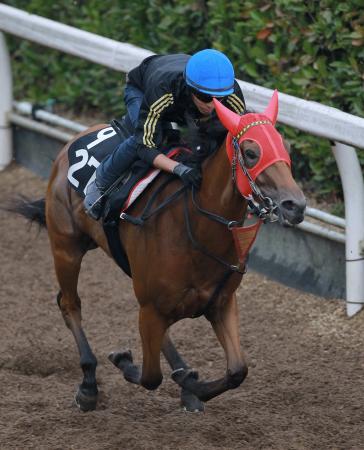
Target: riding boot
{"type": "Point", "coordinates": [107, 173]}
{"type": "Point", "coordinates": [94, 200]}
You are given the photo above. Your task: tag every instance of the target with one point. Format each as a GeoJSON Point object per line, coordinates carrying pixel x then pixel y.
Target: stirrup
{"type": "Point", "coordinates": [94, 201]}
{"type": "Point", "coordinates": [96, 209]}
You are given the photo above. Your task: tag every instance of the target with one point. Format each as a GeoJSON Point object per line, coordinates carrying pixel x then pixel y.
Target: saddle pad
{"type": "Point", "coordinates": [142, 184]}
{"type": "Point", "coordinates": [85, 155]}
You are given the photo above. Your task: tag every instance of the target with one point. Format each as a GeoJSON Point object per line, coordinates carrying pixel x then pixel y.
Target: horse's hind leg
{"type": "Point", "coordinates": [68, 254]}
{"type": "Point", "coordinates": [189, 401]}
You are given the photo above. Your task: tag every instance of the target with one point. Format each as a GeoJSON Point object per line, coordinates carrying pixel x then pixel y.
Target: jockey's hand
{"type": "Point", "coordinates": [188, 175]}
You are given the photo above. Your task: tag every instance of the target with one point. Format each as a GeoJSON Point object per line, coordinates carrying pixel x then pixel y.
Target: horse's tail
{"type": "Point", "coordinates": [33, 210]}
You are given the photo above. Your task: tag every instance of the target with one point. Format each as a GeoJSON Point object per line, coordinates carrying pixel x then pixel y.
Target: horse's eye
{"type": "Point", "coordinates": [250, 154]}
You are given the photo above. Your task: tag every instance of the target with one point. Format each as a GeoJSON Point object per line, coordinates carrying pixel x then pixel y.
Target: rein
{"type": "Point", "coordinates": [216, 218]}
{"type": "Point", "coordinates": [147, 213]}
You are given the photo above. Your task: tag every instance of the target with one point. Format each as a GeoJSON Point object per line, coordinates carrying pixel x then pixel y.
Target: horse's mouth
{"type": "Point", "coordinates": [288, 220]}
{"type": "Point", "coordinates": [288, 211]}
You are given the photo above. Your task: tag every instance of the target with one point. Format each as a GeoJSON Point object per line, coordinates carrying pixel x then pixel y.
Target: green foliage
{"type": "Point", "coordinates": [312, 50]}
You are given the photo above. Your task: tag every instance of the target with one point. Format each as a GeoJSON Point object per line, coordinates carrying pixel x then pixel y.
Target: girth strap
{"type": "Point", "coordinates": [111, 229]}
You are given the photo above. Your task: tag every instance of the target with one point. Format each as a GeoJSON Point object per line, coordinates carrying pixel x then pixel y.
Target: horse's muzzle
{"type": "Point", "coordinates": [291, 211]}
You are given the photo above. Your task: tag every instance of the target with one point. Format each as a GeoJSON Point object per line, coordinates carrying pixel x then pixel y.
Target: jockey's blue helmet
{"type": "Point", "coordinates": [210, 72]}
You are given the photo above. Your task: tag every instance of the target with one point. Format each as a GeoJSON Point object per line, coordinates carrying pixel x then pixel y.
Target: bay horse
{"type": "Point", "coordinates": [172, 278]}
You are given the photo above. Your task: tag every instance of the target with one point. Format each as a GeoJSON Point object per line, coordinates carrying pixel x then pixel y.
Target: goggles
{"type": "Point", "coordinates": [205, 98]}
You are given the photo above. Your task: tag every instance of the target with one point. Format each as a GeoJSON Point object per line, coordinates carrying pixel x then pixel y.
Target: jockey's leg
{"type": "Point", "coordinates": [118, 161]}
{"type": "Point", "coordinates": [133, 98]}
{"type": "Point", "coordinates": [110, 169]}
{"type": "Point", "coordinates": [115, 164]}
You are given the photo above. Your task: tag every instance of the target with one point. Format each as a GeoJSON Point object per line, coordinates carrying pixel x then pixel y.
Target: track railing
{"type": "Point", "coordinates": [345, 130]}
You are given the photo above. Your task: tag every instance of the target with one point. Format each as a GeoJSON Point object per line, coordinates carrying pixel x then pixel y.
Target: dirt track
{"type": "Point", "coordinates": [305, 388]}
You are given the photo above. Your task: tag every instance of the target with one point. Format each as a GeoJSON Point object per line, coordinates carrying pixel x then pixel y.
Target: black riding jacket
{"type": "Point", "coordinates": [167, 98]}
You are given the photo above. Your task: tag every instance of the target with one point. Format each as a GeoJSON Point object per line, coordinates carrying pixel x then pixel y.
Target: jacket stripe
{"type": "Point", "coordinates": [239, 102]}
{"type": "Point", "coordinates": [154, 113]}
{"type": "Point", "coordinates": [156, 117]}
{"type": "Point", "coordinates": [236, 103]}
{"type": "Point", "coordinates": [146, 137]}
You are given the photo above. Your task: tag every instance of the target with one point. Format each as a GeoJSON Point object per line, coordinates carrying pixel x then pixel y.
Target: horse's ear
{"type": "Point", "coordinates": [228, 118]}
{"type": "Point", "coordinates": [272, 109]}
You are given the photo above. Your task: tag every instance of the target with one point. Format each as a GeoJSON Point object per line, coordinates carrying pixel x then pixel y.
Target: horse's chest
{"type": "Point", "coordinates": [195, 302]}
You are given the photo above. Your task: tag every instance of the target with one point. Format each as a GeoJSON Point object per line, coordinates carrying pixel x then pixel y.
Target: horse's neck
{"type": "Point", "coordinates": [218, 192]}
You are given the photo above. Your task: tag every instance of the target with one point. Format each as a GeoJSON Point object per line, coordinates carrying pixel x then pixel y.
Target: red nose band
{"type": "Point", "coordinates": [258, 128]}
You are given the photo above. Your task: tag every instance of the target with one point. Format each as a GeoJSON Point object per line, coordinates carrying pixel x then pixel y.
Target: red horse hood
{"type": "Point", "coordinates": [258, 128]}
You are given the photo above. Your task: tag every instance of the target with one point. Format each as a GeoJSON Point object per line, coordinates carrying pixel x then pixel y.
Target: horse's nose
{"type": "Point", "coordinates": [293, 210]}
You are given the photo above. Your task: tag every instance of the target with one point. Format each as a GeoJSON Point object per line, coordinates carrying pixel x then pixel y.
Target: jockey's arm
{"type": "Point", "coordinates": [149, 134]}
{"type": "Point", "coordinates": [164, 163]}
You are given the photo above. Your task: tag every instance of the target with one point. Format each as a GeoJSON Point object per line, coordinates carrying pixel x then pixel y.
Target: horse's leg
{"type": "Point", "coordinates": [224, 320]}
{"type": "Point", "coordinates": [189, 401]}
{"type": "Point", "coordinates": [67, 259]}
{"type": "Point", "coordinates": [152, 328]}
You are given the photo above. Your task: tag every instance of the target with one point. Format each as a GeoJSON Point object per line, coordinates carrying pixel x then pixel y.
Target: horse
{"type": "Point", "coordinates": [183, 260]}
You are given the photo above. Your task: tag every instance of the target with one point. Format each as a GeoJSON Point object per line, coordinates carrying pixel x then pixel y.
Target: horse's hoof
{"type": "Point", "coordinates": [84, 401]}
{"type": "Point", "coordinates": [181, 376]}
{"type": "Point", "coordinates": [190, 403]}
{"type": "Point", "coordinates": [132, 374]}
{"type": "Point", "coordinates": [120, 358]}
{"type": "Point", "coordinates": [124, 362]}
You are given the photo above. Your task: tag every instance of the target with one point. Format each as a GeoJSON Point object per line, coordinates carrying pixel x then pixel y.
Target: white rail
{"type": "Point", "coordinates": [308, 116]}
{"type": "Point", "coordinates": [325, 217]}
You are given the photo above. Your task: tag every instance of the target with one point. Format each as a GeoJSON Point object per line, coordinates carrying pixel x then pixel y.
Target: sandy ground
{"type": "Point", "coordinates": [306, 361]}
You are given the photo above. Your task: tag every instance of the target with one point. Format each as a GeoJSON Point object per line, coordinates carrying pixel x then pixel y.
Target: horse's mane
{"type": "Point", "coordinates": [204, 140]}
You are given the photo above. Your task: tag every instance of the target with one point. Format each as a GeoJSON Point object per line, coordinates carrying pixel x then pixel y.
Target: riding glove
{"type": "Point", "coordinates": [188, 175]}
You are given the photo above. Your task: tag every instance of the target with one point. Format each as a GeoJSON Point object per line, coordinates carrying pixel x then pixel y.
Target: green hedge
{"type": "Point", "coordinates": [312, 49]}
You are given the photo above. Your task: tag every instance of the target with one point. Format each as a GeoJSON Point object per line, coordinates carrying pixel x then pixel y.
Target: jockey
{"type": "Point", "coordinates": [166, 89]}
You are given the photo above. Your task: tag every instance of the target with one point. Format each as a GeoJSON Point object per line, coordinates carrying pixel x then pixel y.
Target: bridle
{"type": "Point", "coordinates": [261, 206]}
{"type": "Point", "coordinates": [259, 128]}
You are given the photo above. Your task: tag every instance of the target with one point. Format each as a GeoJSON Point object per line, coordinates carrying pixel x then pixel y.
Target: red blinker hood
{"type": "Point", "coordinates": [258, 128]}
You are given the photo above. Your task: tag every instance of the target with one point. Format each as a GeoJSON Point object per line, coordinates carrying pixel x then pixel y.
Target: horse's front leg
{"type": "Point", "coordinates": [152, 327]}
{"type": "Point", "coordinates": [224, 320]}
{"type": "Point", "coordinates": [189, 401]}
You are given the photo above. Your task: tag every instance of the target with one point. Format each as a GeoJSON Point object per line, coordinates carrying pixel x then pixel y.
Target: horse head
{"type": "Point", "coordinates": [260, 161]}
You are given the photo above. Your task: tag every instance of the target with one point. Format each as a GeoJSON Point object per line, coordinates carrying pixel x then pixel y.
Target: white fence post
{"type": "Point", "coordinates": [6, 104]}
{"type": "Point", "coordinates": [353, 187]}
